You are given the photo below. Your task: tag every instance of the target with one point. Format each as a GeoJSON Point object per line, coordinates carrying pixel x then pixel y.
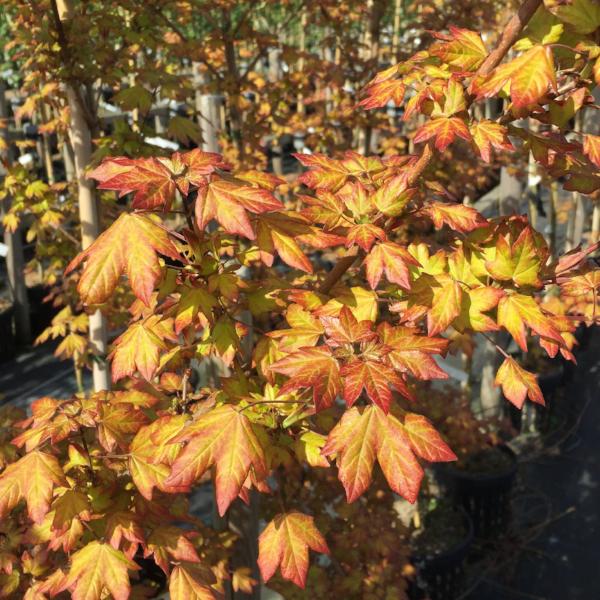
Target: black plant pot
{"type": "Point", "coordinates": [442, 576]}
{"type": "Point", "coordinates": [41, 313]}
{"type": "Point", "coordinates": [7, 334]}
{"type": "Point", "coordinates": [486, 496]}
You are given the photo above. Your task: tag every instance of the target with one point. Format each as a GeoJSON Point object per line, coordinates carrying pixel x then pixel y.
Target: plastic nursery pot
{"type": "Point", "coordinates": [441, 572]}
{"type": "Point", "coordinates": [483, 488]}
{"type": "Point", "coordinates": [41, 313]}
{"type": "Point", "coordinates": [7, 334]}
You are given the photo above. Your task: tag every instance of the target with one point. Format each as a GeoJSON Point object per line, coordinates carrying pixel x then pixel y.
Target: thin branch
{"type": "Point", "coordinates": [510, 35]}
{"type": "Point", "coordinates": [499, 348]}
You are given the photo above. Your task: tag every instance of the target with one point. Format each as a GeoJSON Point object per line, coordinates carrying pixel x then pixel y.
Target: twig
{"type": "Point", "coordinates": [510, 35]}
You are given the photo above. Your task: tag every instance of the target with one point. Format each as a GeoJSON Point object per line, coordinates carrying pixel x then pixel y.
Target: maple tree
{"type": "Point", "coordinates": [319, 367]}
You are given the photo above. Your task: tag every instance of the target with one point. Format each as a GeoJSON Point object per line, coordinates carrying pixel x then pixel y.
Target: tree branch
{"type": "Point", "coordinates": [510, 34]}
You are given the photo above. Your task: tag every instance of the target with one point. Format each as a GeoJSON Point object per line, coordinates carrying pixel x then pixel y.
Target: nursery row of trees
{"type": "Point", "coordinates": [279, 329]}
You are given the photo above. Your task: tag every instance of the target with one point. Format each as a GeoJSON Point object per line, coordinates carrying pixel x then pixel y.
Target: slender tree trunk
{"type": "Point", "coordinates": [235, 111]}
{"type": "Point", "coordinates": [595, 236]}
{"type": "Point", "coordinates": [371, 54]}
{"type": "Point", "coordinates": [553, 214]}
{"type": "Point", "coordinates": [89, 216]}
{"type": "Point", "coordinates": [396, 31]}
{"type": "Point", "coordinates": [208, 112]}
{"type": "Point", "coordinates": [68, 159]}
{"type": "Point", "coordinates": [46, 148]}
{"type": "Point", "coordinates": [15, 261]}
{"type": "Point", "coordinates": [303, 24]}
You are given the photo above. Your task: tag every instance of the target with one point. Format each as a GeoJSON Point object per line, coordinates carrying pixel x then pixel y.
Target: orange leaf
{"type": "Point", "coordinates": [99, 568]}
{"type": "Point", "coordinates": [285, 542]}
{"type": "Point", "coordinates": [487, 134]}
{"type": "Point", "coordinates": [516, 311]}
{"type": "Point", "coordinates": [411, 352]}
{"type": "Point", "coordinates": [130, 245]}
{"type": "Point", "coordinates": [444, 130]}
{"type": "Point", "coordinates": [190, 582]}
{"type": "Point", "coordinates": [31, 478]}
{"type": "Point", "coordinates": [391, 259]}
{"type": "Point", "coordinates": [425, 440]}
{"type": "Point", "coordinates": [228, 202]}
{"type": "Point", "coordinates": [457, 216]}
{"type": "Point", "coordinates": [517, 383]}
{"type": "Point", "coordinates": [591, 148]}
{"type": "Point", "coordinates": [311, 367]}
{"type": "Point", "coordinates": [225, 438]}
{"type": "Point", "coordinates": [365, 434]}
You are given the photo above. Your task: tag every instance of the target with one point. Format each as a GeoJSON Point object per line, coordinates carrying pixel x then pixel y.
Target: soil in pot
{"type": "Point", "coordinates": [440, 548]}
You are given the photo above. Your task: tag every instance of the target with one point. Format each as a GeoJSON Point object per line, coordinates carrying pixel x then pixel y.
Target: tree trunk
{"type": "Point", "coordinates": [208, 112]}
{"type": "Point", "coordinates": [14, 259]}
{"type": "Point", "coordinates": [235, 112]}
{"type": "Point", "coordinates": [89, 215]}
{"type": "Point", "coordinates": [366, 140]}
{"type": "Point", "coordinates": [396, 31]}
{"type": "Point", "coordinates": [303, 24]}
{"type": "Point", "coordinates": [595, 236]}
{"type": "Point", "coordinates": [553, 213]}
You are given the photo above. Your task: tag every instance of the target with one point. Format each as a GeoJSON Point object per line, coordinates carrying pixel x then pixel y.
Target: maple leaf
{"type": "Point", "coordinates": [393, 196]}
{"type": "Point", "coordinates": [591, 148]}
{"type": "Point", "coordinates": [411, 352]}
{"type": "Point", "coordinates": [425, 440]}
{"type": "Point", "coordinates": [138, 348]}
{"type": "Point", "coordinates": [519, 263]}
{"type": "Point", "coordinates": [305, 329]}
{"type": "Point", "coordinates": [365, 434]}
{"type": "Point", "coordinates": [227, 202]}
{"type": "Point", "coordinates": [116, 423]}
{"type": "Point", "coordinates": [586, 281]}
{"type": "Point", "coordinates": [462, 48]}
{"type": "Point", "coordinates": [149, 178]}
{"type": "Point", "coordinates": [517, 383]}
{"type": "Point", "coordinates": [225, 438]}
{"type": "Point", "coordinates": [189, 582]}
{"type": "Point", "coordinates": [325, 173]}
{"type": "Point", "coordinates": [314, 368]}
{"type": "Point", "coordinates": [375, 378]}
{"type": "Point", "coordinates": [529, 75]}
{"type": "Point", "coordinates": [445, 304]}
{"type": "Point", "coordinates": [475, 303]}
{"type": "Point", "coordinates": [99, 568]}
{"type": "Point", "coordinates": [124, 525]}
{"type": "Point", "coordinates": [129, 246]}
{"type": "Point", "coordinates": [457, 216]}
{"type": "Point", "coordinates": [193, 301]}
{"type": "Point", "coordinates": [380, 94]}
{"type": "Point", "coordinates": [487, 134]}
{"type": "Point", "coordinates": [326, 208]}
{"type": "Point", "coordinates": [284, 543]}
{"type": "Point", "coordinates": [279, 231]}
{"type": "Point", "coordinates": [346, 329]}
{"type": "Point", "coordinates": [152, 451]}
{"type": "Point", "coordinates": [364, 235]}
{"type": "Point", "coordinates": [391, 259]}
{"type": "Point", "coordinates": [444, 130]}
{"type": "Point", "coordinates": [167, 543]}
{"type": "Point", "coordinates": [516, 311]}
{"type": "Point", "coordinates": [32, 478]}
